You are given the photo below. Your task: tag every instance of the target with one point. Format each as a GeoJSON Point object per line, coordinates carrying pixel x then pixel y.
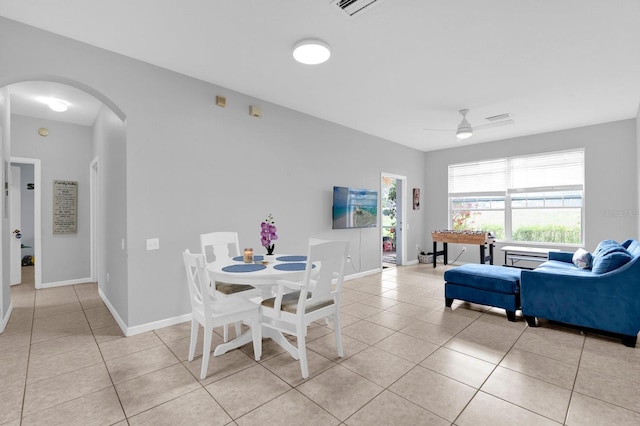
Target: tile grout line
{"type": "Point", "coordinates": [24, 393]}
{"type": "Point", "coordinates": [124, 413]}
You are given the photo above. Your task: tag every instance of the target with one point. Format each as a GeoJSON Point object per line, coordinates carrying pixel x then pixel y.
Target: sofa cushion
{"type": "Point", "coordinates": [562, 268]}
{"type": "Point", "coordinates": [582, 259]}
{"type": "Point", "coordinates": [486, 277]}
{"type": "Point", "coordinates": [610, 261]}
{"type": "Point", "coordinates": [633, 247]}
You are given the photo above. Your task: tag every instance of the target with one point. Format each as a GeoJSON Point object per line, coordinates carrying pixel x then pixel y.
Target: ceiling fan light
{"type": "Point", "coordinates": [464, 130]}
{"type": "Point", "coordinates": [311, 52]}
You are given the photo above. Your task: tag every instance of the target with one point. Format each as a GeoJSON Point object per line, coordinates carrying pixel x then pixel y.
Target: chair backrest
{"type": "Point", "coordinates": [331, 258]}
{"type": "Point", "coordinates": [198, 282]}
{"type": "Point", "coordinates": [221, 245]}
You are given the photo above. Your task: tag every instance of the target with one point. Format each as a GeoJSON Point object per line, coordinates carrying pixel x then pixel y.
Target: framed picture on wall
{"type": "Point", "coordinates": [416, 198]}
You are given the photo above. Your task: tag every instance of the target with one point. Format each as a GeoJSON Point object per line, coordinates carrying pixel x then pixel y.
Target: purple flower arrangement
{"type": "Point", "coordinates": [268, 234]}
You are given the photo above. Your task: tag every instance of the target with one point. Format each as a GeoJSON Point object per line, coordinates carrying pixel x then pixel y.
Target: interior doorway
{"type": "Point", "coordinates": [27, 194]}
{"type": "Point", "coordinates": [393, 190]}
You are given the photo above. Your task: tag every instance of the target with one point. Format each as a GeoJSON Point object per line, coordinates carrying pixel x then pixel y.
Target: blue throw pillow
{"type": "Point", "coordinates": [582, 259]}
{"type": "Point", "coordinates": [610, 261]}
{"type": "Point", "coordinates": [603, 245]}
{"type": "Point", "coordinates": [633, 247]}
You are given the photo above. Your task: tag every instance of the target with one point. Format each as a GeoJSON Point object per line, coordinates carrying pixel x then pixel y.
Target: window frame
{"type": "Point", "coordinates": [509, 193]}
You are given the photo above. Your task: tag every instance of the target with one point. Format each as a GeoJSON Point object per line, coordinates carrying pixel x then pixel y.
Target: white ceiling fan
{"type": "Point", "coordinates": [465, 131]}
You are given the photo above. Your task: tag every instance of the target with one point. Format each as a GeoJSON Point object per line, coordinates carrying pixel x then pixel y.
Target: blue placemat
{"type": "Point", "coordinates": [255, 257]}
{"type": "Point", "coordinates": [291, 266]}
{"type": "Point", "coordinates": [292, 258]}
{"type": "Point", "coordinates": [245, 267]}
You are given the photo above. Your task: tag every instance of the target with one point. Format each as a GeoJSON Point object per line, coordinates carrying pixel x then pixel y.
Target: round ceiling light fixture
{"type": "Point", "coordinates": [311, 52]}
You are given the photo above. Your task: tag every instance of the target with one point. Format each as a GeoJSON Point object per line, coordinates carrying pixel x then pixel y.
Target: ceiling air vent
{"type": "Point", "coordinates": [354, 7]}
{"type": "Point", "coordinates": [500, 117]}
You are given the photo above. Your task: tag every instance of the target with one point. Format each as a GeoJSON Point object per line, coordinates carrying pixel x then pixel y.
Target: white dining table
{"type": "Point", "coordinates": [264, 277]}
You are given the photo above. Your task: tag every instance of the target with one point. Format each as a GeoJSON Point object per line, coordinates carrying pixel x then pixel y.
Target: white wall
{"type": "Point", "coordinates": [110, 150]}
{"type": "Point", "coordinates": [638, 167]}
{"type": "Point", "coordinates": [611, 180]}
{"type": "Point", "coordinates": [192, 167]}
{"type": "Point", "coordinates": [65, 155]}
{"type": "Point", "coordinates": [5, 155]}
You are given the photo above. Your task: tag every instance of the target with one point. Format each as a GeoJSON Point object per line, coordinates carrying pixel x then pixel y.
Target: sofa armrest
{"type": "Point", "coordinates": [562, 256]}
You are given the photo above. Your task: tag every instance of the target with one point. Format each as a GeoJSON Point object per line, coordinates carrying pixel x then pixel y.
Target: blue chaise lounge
{"type": "Point", "coordinates": [603, 294]}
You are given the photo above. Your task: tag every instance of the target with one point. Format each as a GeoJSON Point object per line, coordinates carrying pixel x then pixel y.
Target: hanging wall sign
{"type": "Point", "coordinates": [65, 207]}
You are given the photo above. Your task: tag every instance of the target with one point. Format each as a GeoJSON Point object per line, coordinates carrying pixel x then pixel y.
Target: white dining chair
{"type": "Point", "coordinates": [223, 246]}
{"type": "Point", "coordinates": [211, 311]}
{"type": "Point", "coordinates": [297, 304]}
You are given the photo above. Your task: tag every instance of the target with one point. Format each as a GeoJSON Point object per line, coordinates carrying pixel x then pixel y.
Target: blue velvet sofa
{"type": "Point", "coordinates": [603, 294]}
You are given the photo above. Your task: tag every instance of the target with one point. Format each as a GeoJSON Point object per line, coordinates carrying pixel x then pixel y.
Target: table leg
{"type": "Point", "coordinates": [482, 258]}
{"type": "Point", "coordinates": [279, 338]}
{"type": "Point", "coordinates": [490, 254]}
{"type": "Point", "coordinates": [435, 252]}
{"type": "Point", "coordinates": [446, 253]}
{"type": "Point", "coordinates": [241, 340]}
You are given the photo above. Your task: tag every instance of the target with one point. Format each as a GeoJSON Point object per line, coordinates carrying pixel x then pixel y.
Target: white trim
{"type": "Point", "coordinates": [150, 326]}
{"type": "Point", "coordinates": [362, 274]}
{"type": "Point", "coordinates": [37, 215]}
{"type": "Point", "coordinates": [113, 311]}
{"type": "Point", "coordinates": [93, 218]}
{"type": "Point", "coordinates": [401, 222]}
{"type": "Point", "coordinates": [5, 320]}
{"type": "Point", "coordinates": [67, 282]}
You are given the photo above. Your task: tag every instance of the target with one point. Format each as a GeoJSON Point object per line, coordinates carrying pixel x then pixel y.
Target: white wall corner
{"type": "Point", "coordinates": [5, 319]}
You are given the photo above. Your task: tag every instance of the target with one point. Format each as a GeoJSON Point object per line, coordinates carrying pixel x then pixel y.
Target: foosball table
{"type": "Point", "coordinates": [480, 238]}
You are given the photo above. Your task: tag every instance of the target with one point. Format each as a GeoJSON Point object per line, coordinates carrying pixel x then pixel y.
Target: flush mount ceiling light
{"type": "Point", "coordinates": [311, 52]}
{"type": "Point", "coordinates": [57, 105]}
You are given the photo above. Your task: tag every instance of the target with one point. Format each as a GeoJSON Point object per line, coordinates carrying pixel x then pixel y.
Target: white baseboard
{"type": "Point", "coordinates": [5, 320]}
{"type": "Point", "coordinates": [143, 328]}
{"type": "Point", "coordinates": [361, 274]}
{"type": "Point", "coordinates": [132, 331]}
{"type": "Point", "coordinates": [113, 311]}
{"type": "Point", "coordinates": [67, 282]}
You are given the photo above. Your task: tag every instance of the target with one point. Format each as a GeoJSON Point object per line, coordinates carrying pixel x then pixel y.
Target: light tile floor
{"type": "Point", "coordinates": [408, 361]}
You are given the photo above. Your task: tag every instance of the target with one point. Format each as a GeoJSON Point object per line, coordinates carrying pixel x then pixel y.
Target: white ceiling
{"type": "Point", "coordinates": [396, 69]}
{"type": "Point", "coordinates": [25, 100]}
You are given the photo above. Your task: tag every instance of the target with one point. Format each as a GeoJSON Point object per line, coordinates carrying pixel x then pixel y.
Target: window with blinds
{"type": "Point", "coordinates": [535, 198]}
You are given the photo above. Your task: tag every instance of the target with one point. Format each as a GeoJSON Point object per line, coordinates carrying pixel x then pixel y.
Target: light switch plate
{"type": "Point", "coordinates": [153, 244]}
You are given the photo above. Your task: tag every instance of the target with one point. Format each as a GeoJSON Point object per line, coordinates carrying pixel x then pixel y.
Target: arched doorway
{"type": "Point", "coordinates": [26, 102]}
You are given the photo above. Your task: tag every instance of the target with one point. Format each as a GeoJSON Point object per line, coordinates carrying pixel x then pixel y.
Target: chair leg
{"type": "Point", "coordinates": [256, 332]}
{"type": "Point", "coordinates": [206, 351]}
{"type": "Point", "coordinates": [302, 350]}
{"type": "Point", "coordinates": [194, 339]}
{"type": "Point", "coordinates": [338, 332]}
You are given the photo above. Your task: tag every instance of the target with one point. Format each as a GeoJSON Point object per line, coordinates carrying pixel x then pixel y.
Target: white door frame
{"type": "Point", "coordinates": [15, 224]}
{"type": "Point", "coordinates": [37, 215]}
{"type": "Point", "coordinates": [401, 197]}
{"type": "Point", "coordinates": [94, 185]}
